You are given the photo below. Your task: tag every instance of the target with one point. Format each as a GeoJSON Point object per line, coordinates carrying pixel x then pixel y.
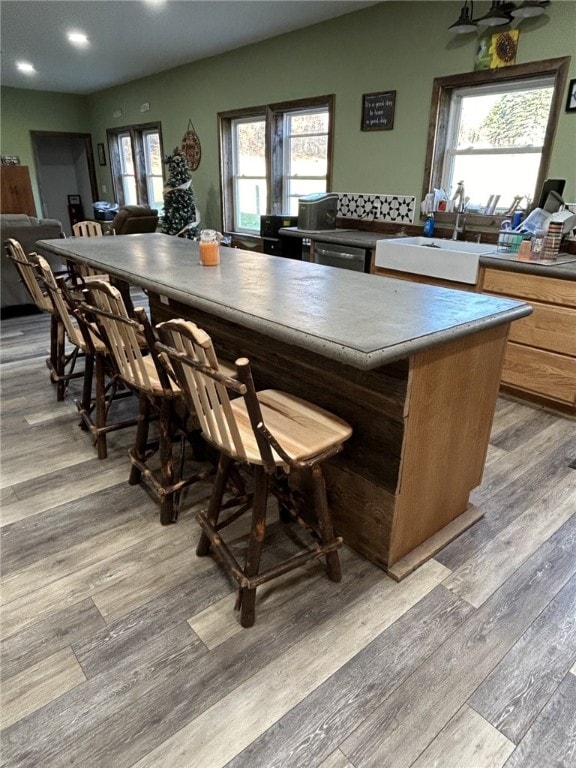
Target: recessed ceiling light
{"type": "Point", "coordinates": [79, 38]}
{"type": "Point", "coordinates": [24, 66]}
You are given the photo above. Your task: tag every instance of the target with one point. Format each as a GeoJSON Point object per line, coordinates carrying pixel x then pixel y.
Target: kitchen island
{"type": "Point", "coordinates": [414, 368]}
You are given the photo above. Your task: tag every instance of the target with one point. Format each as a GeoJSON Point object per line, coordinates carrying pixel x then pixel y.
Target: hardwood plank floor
{"type": "Point", "coordinates": [121, 648]}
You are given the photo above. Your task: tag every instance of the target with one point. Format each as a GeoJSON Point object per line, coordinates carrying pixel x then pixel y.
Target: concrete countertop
{"type": "Point", "coordinates": [564, 267]}
{"type": "Point", "coordinates": [352, 317]}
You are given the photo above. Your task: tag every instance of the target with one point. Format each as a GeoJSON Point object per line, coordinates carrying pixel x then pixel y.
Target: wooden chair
{"type": "Point", "coordinates": [146, 376]}
{"type": "Point", "coordinates": [60, 365]}
{"type": "Point", "coordinates": [87, 229]}
{"type": "Point", "coordinates": [80, 272]}
{"type": "Point", "coordinates": [85, 338]}
{"type": "Point", "coordinates": [273, 433]}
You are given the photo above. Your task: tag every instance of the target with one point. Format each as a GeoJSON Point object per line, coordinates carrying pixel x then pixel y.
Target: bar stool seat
{"type": "Point", "coordinates": [272, 433]}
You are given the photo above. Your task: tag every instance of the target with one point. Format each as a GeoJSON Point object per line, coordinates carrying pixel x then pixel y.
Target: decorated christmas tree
{"type": "Point", "coordinates": [179, 198]}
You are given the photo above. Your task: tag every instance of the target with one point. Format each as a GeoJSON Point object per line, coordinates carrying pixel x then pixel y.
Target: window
{"type": "Point", "coordinates": [249, 172]}
{"type": "Point", "coordinates": [305, 159]}
{"type": "Point", "coordinates": [136, 164]}
{"type": "Point", "coordinates": [272, 155]}
{"type": "Point", "coordinates": [494, 130]}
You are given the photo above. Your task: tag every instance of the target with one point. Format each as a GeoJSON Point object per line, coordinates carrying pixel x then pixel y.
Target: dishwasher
{"type": "Point", "coordinates": [343, 256]}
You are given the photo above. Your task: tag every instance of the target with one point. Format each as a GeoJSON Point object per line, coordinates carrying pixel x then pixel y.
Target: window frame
{"type": "Point", "coordinates": [274, 151]}
{"type": "Point", "coordinates": [443, 90]}
{"type": "Point", "coordinates": [137, 135]}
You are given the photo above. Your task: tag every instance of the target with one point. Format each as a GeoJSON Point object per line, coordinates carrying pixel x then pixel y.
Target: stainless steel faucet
{"type": "Point", "coordinates": [459, 200]}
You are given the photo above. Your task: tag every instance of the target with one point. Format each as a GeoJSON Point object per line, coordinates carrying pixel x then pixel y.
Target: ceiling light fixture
{"type": "Point", "coordinates": [499, 14]}
{"type": "Point", "coordinates": [25, 67]}
{"type": "Point", "coordinates": [465, 23]}
{"type": "Point", "coordinates": [78, 38]}
{"type": "Point", "coordinates": [530, 8]}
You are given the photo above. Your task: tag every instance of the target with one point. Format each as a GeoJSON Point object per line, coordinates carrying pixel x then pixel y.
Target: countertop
{"type": "Point", "coordinates": [347, 316]}
{"type": "Point", "coordinates": [564, 267]}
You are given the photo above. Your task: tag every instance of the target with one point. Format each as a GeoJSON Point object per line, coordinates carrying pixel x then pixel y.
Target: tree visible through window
{"type": "Point", "coordinates": [495, 130]}
{"type": "Point", "coordinates": [496, 138]}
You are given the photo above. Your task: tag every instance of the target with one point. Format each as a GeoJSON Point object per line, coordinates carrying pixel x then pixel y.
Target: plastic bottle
{"type": "Point", "coordinates": [209, 248]}
{"type": "Point", "coordinates": [429, 225]}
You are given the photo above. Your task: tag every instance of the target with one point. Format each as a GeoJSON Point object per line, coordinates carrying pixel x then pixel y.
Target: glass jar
{"type": "Point", "coordinates": [209, 248]}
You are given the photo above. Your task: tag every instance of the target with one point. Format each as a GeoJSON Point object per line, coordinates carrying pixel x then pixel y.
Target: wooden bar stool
{"type": "Point", "coordinates": [144, 374]}
{"type": "Point", "coordinates": [87, 229]}
{"type": "Point", "coordinates": [85, 337]}
{"type": "Point", "coordinates": [271, 432]}
{"type": "Point", "coordinates": [60, 365]}
{"type": "Point", "coordinates": [83, 271]}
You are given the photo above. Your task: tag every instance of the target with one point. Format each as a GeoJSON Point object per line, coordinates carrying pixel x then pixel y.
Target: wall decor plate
{"type": "Point", "coordinates": [191, 148]}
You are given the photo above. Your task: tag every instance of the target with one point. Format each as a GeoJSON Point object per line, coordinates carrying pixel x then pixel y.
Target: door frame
{"type": "Point", "coordinates": [87, 138]}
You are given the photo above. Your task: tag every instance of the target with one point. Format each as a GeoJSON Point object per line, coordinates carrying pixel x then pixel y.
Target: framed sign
{"type": "Point", "coordinates": [73, 199]}
{"type": "Point", "coordinates": [378, 111]}
{"type": "Point", "coordinates": [101, 154]}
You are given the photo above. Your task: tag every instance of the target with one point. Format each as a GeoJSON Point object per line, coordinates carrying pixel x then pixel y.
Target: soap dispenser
{"type": "Point", "coordinates": [429, 225]}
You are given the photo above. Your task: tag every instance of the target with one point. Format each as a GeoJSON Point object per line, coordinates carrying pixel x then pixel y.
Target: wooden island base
{"type": "Point", "coordinates": [400, 490]}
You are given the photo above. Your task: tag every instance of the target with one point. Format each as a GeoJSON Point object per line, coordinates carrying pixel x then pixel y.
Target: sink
{"type": "Point", "coordinates": [432, 256]}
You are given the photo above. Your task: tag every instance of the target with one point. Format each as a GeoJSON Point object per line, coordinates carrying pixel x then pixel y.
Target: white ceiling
{"type": "Point", "coordinates": [129, 39]}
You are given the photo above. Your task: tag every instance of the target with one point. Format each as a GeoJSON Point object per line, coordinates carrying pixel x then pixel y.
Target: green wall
{"type": "Point", "coordinates": [399, 46]}
{"type": "Point", "coordinates": [23, 111]}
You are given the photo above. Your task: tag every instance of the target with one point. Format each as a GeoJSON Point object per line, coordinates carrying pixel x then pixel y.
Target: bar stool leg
{"type": "Point", "coordinates": [100, 407]}
{"type": "Point", "coordinates": [54, 323]}
{"type": "Point", "coordinates": [168, 511]}
{"type": "Point", "coordinates": [218, 488]}
{"type": "Point", "coordinates": [141, 439]}
{"type": "Point", "coordinates": [61, 363]}
{"type": "Point", "coordinates": [325, 522]}
{"type": "Point", "coordinates": [247, 597]}
{"type": "Point", "coordinates": [86, 401]}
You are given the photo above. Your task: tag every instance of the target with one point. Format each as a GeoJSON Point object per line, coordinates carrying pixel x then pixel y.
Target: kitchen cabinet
{"type": "Point", "coordinates": [540, 360]}
{"type": "Point", "coordinates": [16, 190]}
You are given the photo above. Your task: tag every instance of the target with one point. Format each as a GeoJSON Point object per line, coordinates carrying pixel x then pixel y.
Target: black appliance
{"type": "Point", "coordinates": [343, 256]}
{"type": "Point", "coordinates": [273, 243]}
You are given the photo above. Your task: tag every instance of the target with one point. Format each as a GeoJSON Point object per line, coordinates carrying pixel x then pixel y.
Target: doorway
{"type": "Point", "coordinates": [65, 169]}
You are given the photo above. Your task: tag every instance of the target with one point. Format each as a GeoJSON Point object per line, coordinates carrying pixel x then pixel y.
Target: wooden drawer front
{"type": "Point", "coordinates": [543, 373]}
{"type": "Point", "coordinates": [548, 327]}
{"type": "Point", "coordinates": [518, 284]}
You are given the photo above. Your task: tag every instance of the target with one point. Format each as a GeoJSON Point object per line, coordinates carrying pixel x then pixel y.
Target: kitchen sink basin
{"type": "Point", "coordinates": [435, 257]}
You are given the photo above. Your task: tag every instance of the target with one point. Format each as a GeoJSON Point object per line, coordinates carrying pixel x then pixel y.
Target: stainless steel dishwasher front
{"type": "Point", "coordinates": [343, 256]}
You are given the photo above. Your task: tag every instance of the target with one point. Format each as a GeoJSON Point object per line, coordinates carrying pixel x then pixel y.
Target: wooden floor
{"type": "Point", "coordinates": [121, 647]}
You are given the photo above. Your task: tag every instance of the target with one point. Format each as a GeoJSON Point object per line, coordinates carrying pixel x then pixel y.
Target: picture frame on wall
{"type": "Point", "coordinates": [73, 199]}
{"type": "Point", "coordinates": [378, 111]}
{"type": "Point", "coordinates": [571, 98]}
{"type": "Point", "coordinates": [101, 154]}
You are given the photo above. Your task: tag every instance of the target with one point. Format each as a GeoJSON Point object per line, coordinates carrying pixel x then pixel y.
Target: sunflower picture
{"type": "Point", "coordinates": [503, 48]}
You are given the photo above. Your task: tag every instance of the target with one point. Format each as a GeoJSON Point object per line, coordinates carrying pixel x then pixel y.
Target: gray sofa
{"type": "Point", "coordinates": [27, 230]}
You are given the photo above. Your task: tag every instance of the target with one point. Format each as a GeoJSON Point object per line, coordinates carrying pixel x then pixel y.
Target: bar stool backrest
{"type": "Point", "coordinates": [28, 275]}
{"type": "Point", "coordinates": [203, 383]}
{"type": "Point", "coordinates": [87, 229]}
{"type": "Point", "coordinates": [54, 292]}
{"type": "Point", "coordinates": [123, 336]}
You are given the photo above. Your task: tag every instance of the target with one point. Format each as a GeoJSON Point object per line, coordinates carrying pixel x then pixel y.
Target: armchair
{"type": "Point", "coordinates": [132, 219]}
